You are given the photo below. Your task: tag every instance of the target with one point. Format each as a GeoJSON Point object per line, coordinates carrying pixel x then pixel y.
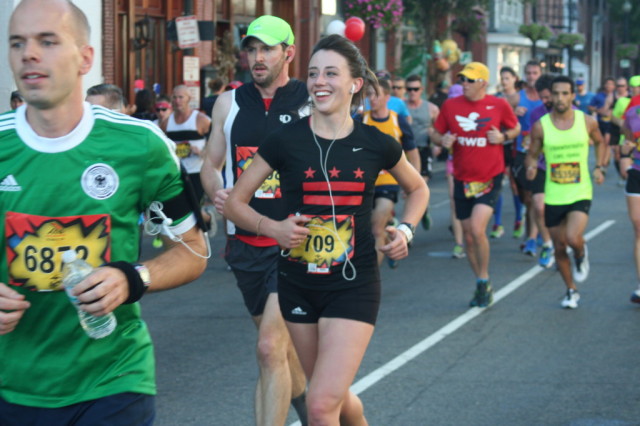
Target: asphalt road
{"type": "Point", "coordinates": [433, 360]}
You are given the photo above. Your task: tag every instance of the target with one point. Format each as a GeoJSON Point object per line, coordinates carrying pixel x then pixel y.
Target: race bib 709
{"type": "Point", "coordinates": [35, 245]}
{"type": "Point", "coordinates": [327, 244]}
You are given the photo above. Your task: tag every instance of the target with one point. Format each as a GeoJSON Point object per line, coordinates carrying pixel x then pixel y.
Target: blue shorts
{"type": "Point", "coordinates": [131, 409]}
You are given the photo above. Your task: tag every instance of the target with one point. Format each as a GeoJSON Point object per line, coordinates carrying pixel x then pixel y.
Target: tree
{"type": "Point", "coordinates": [437, 18]}
{"type": "Point", "coordinates": [535, 32]}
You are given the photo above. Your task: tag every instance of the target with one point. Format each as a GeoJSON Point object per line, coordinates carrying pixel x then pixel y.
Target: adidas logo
{"type": "Point", "coordinates": [10, 184]}
{"type": "Point", "coordinates": [298, 311]}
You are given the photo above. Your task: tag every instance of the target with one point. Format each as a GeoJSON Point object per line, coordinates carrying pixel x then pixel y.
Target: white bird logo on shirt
{"type": "Point", "coordinates": [472, 122]}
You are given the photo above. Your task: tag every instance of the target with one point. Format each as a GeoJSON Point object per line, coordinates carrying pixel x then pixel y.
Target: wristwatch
{"type": "Point", "coordinates": [143, 271]}
{"type": "Point", "coordinates": [407, 229]}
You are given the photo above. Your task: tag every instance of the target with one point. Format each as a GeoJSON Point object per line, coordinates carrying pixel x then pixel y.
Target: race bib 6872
{"type": "Point", "coordinates": [35, 245]}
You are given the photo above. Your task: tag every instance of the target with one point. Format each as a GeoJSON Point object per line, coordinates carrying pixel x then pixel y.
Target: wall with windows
{"type": "Point", "coordinates": [505, 45]}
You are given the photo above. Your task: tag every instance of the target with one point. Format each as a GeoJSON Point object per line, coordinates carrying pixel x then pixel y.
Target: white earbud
{"type": "Point", "coordinates": [157, 207]}
{"type": "Point", "coordinates": [353, 89]}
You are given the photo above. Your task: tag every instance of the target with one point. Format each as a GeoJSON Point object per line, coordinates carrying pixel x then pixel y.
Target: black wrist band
{"type": "Point", "coordinates": [136, 285]}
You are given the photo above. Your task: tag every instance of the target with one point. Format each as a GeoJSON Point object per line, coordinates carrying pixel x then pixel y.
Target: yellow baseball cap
{"type": "Point", "coordinates": [270, 30]}
{"type": "Point", "coordinates": [634, 81]}
{"type": "Point", "coordinates": [475, 71]}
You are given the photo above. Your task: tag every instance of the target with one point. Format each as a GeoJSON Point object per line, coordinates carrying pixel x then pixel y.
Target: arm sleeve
{"type": "Point", "coordinates": [408, 140]}
{"type": "Point", "coordinates": [621, 107]}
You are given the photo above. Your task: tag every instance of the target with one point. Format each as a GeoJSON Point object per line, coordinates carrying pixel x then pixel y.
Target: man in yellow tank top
{"type": "Point", "coordinates": [563, 136]}
{"type": "Point", "coordinates": [387, 188]}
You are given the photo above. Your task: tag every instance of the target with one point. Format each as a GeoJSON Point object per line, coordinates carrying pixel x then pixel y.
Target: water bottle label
{"type": "Point", "coordinates": [35, 245]}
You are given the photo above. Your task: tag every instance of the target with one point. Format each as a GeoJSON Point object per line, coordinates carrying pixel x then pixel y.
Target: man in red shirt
{"type": "Point", "coordinates": [474, 127]}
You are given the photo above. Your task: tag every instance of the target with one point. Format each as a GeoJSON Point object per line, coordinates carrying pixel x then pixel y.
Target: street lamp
{"type": "Point", "coordinates": [626, 8]}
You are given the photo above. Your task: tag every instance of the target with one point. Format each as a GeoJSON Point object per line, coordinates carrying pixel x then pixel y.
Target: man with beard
{"type": "Point", "coordinates": [546, 259]}
{"type": "Point", "coordinates": [563, 136]}
{"type": "Point", "coordinates": [242, 118]}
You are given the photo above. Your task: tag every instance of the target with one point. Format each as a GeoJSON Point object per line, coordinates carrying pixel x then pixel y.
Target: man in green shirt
{"type": "Point", "coordinates": [76, 176]}
{"type": "Point", "coordinates": [563, 136]}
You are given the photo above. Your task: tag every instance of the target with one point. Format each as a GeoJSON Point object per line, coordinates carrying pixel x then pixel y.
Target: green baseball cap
{"type": "Point", "coordinates": [270, 30]}
{"type": "Point", "coordinates": [634, 81]}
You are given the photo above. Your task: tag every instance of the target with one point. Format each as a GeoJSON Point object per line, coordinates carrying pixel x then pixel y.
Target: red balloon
{"type": "Point", "coordinates": [354, 28]}
{"type": "Point", "coordinates": [354, 19]}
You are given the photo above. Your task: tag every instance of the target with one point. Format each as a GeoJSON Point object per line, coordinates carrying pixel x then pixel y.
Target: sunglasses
{"type": "Point", "coordinates": [161, 109]}
{"type": "Point", "coordinates": [464, 79]}
{"type": "Point", "coordinates": [397, 87]}
{"type": "Point", "coordinates": [621, 85]}
{"type": "Point", "coordinates": [413, 89]}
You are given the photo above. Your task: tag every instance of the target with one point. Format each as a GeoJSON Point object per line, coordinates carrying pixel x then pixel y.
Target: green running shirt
{"type": "Point", "coordinates": [85, 190]}
{"type": "Point", "coordinates": [567, 154]}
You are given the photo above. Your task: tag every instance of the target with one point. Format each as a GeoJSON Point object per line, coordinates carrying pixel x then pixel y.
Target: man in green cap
{"type": "Point", "coordinates": [241, 119]}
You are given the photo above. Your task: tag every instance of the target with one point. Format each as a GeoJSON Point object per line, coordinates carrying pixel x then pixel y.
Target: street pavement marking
{"type": "Point", "coordinates": [375, 376]}
{"type": "Point", "coordinates": [440, 204]}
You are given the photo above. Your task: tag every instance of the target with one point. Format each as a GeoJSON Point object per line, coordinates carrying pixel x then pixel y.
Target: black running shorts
{"type": "Point", "coordinates": [554, 215]}
{"type": "Point", "coordinates": [632, 188]}
{"type": "Point", "coordinates": [302, 305]}
{"type": "Point", "coordinates": [464, 205]}
{"type": "Point", "coordinates": [255, 269]}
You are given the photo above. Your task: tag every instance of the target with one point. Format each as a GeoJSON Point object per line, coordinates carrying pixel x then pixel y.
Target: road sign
{"type": "Point", "coordinates": [188, 33]}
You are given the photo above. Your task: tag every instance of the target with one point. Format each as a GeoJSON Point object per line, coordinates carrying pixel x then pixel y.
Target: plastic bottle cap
{"type": "Point", "coordinates": [69, 256]}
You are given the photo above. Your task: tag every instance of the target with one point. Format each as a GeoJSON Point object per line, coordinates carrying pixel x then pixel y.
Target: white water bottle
{"type": "Point", "coordinates": [74, 270]}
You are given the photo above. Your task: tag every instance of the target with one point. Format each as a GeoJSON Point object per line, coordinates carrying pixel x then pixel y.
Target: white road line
{"type": "Point", "coordinates": [430, 341]}
{"type": "Point", "coordinates": [439, 204]}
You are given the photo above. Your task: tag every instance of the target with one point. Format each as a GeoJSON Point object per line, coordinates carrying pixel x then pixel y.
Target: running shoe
{"type": "Point", "coordinates": [483, 296]}
{"type": "Point", "coordinates": [635, 296]}
{"type": "Point", "coordinates": [518, 229]}
{"type": "Point", "coordinates": [546, 259]}
{"type": "Point", "coordinates": [213, 223]}
{"type": "Point", "coordinates": [581, 267]}
{"type": "Point", "coordinates": [539, 240]}
{"type": "Point", "coordinates": [497, 231]}
{"type": "Point", "coordinates": [393, 264]}
{"type": "Point", "coordinates": [571, 299]}
{"type": "Point", "coordinates": [426, 221]}
{"type": "Point", "coordinates": [458, 252]}
{"type": "Point", "coordinates": [530, 247]}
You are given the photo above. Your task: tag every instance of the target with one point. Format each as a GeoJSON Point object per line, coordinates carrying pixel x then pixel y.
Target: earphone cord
{"type": "Point", "coordinates": [154, 229]}
{"type": "Point", "coordinates": [323, 168]}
